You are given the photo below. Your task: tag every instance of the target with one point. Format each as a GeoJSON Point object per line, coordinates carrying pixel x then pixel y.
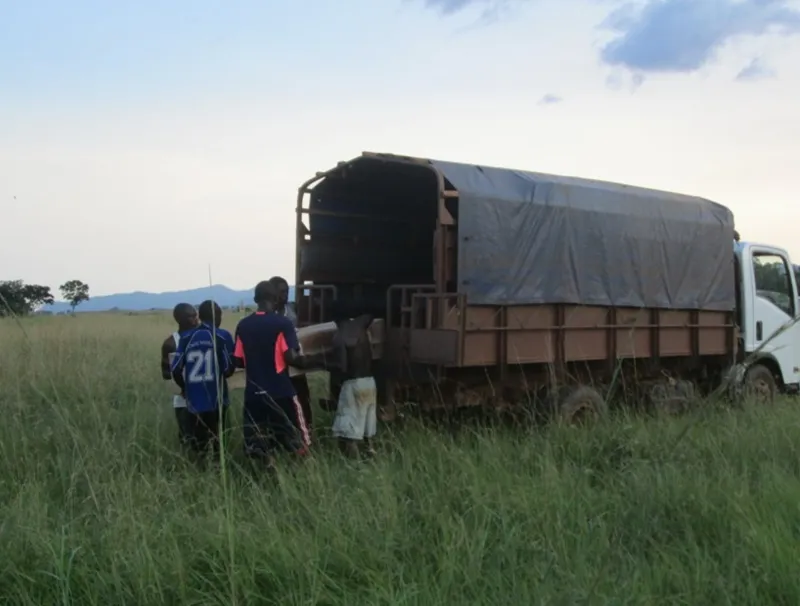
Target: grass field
{"type": "Point", "coordinates": [98, 506]}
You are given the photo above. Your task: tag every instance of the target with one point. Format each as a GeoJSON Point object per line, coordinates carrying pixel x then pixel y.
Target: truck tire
{"type": "Point", "coordinates": [759, 384]}
{"type": "Point", "coordinates": [581, 402]}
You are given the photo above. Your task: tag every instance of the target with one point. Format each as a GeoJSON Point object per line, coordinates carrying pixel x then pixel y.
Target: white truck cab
{"type": "Point", "coordinates": [768, 314]}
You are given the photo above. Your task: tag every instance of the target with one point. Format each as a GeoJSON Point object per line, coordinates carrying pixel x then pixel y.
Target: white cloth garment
{"type": "Point", "coordinates": [356, 413]}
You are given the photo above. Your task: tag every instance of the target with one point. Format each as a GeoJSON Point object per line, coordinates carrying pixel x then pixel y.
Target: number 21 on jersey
{"type": "Point", "coordinates": [200, 366]}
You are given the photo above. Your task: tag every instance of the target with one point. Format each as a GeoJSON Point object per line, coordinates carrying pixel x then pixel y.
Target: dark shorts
{"type": "Point", "coordinates": [201, 431]}
{"type": "Point", "coordinates": [180, 417]}
{"type": "Point", "coordinates": [270, 424]}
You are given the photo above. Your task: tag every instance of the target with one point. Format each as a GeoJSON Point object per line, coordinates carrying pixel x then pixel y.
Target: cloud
{"type": "Point", "coordinates": [620, 80]}
{"type": "Point", "coordinates": [451, 7]}
{"type": "Point", "coordinates": [491, 13]}
{"type": "Point", "coordinates": [755, 70]}
{"type": "Point", "coordinates": [663, 36]}
{"type": "Point", "coordinates": [684, 35]}
{"type": "Point", "coordinates": [550, 99]}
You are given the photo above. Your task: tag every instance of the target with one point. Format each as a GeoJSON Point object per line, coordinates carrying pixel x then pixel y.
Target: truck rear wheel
{"type": "Point", "coordinates": [580, 404]}
{"type": "Point", "coordinates": [759, 384]}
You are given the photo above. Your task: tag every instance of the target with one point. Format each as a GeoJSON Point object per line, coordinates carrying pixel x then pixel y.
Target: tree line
{"type": "Point", "coordinates": [20, 299]}
{"type": "Point", "coordinates": [773, 277]}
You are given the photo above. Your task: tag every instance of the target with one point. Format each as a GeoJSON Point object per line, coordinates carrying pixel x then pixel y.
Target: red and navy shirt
{"type": "Point", "coordinates": [262, 340]}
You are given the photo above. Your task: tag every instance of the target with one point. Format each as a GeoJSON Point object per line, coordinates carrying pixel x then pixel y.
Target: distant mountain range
{"type": "Point", "coordinates": [143, 301]}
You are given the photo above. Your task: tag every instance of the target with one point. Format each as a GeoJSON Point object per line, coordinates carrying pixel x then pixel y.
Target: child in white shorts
{"type": "Point", "coordinates": [356, 412]}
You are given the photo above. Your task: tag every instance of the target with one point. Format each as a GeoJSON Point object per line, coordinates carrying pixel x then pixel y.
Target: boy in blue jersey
{"type": "Point", "coordinates": [201, 365]}
{"type": "Point", "coordinates": [210, 314]}
{"type": "Point", "coordinates": [265, 346]}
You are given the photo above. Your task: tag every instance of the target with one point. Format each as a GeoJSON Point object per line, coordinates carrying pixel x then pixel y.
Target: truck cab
{"type": "Point", "coordinates": [768, 314]}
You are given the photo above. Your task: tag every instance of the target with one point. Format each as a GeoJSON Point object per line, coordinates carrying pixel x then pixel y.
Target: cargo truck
{"type": "Point", "coordinates": [500, 286]}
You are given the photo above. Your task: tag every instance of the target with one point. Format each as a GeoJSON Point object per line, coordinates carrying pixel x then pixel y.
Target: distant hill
{"type": "Point", "coordinates": [143, 301]}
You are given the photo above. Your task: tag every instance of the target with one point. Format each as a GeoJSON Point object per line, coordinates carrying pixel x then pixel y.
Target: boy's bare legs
{"type": "Point", "coordinates": [369, 450]}
{"type": "Point", "coordinates": [348, 447]}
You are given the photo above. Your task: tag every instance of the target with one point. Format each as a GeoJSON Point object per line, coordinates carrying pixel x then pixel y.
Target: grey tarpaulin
{"type": "Point", "coordinates": [527, 238]}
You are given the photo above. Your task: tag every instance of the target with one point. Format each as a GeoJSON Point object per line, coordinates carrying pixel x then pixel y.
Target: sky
{"type": "Point", "coordinates": [142, 142]}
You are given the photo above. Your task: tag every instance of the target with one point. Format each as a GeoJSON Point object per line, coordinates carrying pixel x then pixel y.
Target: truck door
{"type": "Point", "coordinates": [773, 301]}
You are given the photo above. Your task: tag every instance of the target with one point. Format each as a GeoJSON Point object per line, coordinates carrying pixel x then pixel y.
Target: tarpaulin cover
{"type": "Point", "coordinates": [528, 238]}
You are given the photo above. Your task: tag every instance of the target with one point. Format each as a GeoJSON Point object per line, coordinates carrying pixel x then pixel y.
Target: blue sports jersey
{"type": "Point", "coordinates": [228, 338]}
{"type": "Point", "coordinates": [262, 339]}
{"type": "Point", "coordinates": [203, 375]}
{"type": "Point", "coordinates": [229, 346]}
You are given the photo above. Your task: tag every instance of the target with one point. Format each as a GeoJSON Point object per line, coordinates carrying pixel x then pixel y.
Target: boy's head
{"type": "Point", "coordinates": [281, 287]}
{"type": "Point", "coordinates": [185, 315]}
{"type": "Point", "coordinates": [265, 296]}
{"type": "Point", "coordinates": [210, 313]}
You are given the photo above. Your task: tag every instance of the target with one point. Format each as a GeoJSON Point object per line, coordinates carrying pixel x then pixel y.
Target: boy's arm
{"type": "Point", "coordinates": [238, 350]}
{"type": "Point", "coordinates": [291, 349]}
{"type": "Point", "coordinates": [224, 358]}
{"type": "Point", "coordinates": [309, 362]}
{"type": "Point", "coordinates": [238, 354]}
{"type": "Point", "coordinates": [178, 364]}
{"type": "Point", "coordinates": [230, 344]}
{"type": "Point", "coordinates": [167, 348]}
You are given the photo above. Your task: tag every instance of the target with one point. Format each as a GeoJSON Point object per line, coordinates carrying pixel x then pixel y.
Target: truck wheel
{"type": "Point", "coordinates": [759, 384]}
{"type": "Point", "coordinates": [581, 403]}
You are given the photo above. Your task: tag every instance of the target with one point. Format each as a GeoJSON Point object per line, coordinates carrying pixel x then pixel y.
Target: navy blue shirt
{"type": "Point", "coordinates": [227, 338]}
{"type": "Point", "coordinates": [202, 363]}
{"type": "Point", "coordinates": [262, 340]}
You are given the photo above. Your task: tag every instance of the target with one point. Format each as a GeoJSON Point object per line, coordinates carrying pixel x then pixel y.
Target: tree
{"type": "Point", "coordinates": [770, 276]}
{"type": "Point", "coordinates": [74, 291]}
{"type": "Point", "coordinates": [772, 281]}
{"type": "Point", "coordinates": [18, 298]}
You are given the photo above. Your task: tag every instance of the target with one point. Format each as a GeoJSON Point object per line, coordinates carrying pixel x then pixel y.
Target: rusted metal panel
{"type": "Point", "coordinates": [532, 339]}
{"type": "Point", "coordinates": [674, 332]}
{"type": "Point", "coordinates": [561, 334]}
{"type": "Point", "coordinates": [634, 340]}
{"type": "Point", "coordinates": [481, 338]}
{"type": "Point", "coordinates": [715, 334]}
{"type": "Point", "coordinates": [585, 333]}
{"type": "Point", "coordinates": [480, 349]}
{"type": "Point", "coordinates": [435, 347]}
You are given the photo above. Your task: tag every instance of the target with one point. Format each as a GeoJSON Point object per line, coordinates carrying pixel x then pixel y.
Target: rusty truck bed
{"type": "Point", "coordinates": [445, 253]}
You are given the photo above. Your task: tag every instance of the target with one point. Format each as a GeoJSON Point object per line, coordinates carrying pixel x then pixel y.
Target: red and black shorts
{"type": "Point", "coordinates": [274, 423]}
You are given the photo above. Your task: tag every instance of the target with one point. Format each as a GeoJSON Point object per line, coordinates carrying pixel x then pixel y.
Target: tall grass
{"type": "Point", "coordinates": [97, 506]}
